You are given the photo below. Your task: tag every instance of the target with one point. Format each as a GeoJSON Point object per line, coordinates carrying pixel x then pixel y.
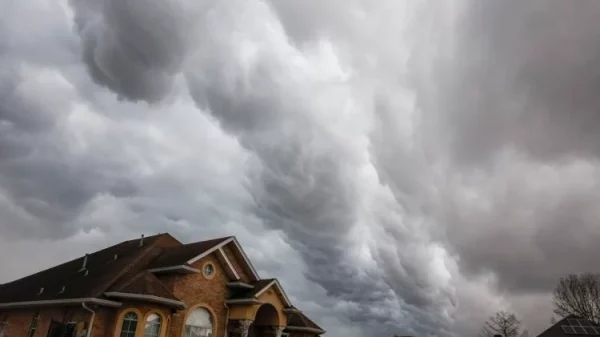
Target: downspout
{"type": "Point", "coordinates": [88, 333]}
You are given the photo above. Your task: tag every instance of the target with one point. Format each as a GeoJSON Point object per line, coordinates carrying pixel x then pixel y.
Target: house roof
{"type": "Point", "coordinates": [144, 283]}
{"type": "Point", "coordinates": [570, 326]}
{"type": "Point", "coordinates": [180, 255]}
{"type": "Point", "coordinates": [299, 321]}
{"type": "Point", "coordinates": [258, 288]}
{"type": "Point", "coordinates": [69, 280]}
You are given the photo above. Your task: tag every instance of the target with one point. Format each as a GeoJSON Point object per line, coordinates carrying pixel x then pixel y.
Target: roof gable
{"type": "Point", "coordinates": [259, 288]}
{"type": "Point", "coordinates": [182, 257]}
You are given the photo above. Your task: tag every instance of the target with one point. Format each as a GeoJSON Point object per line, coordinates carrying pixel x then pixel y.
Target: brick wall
{"type": "Point", "coordinates": [196, 290]}
{"type": "Point", "coordinates": [19, 320]}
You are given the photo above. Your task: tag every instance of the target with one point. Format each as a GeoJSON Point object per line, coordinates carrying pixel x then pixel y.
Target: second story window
{"type": "Point", "coordinates": [33, 325]}
{"type": "Point", "coordinates": [152, 328]}
{"type": "Point", "coordinates": [129, 325]}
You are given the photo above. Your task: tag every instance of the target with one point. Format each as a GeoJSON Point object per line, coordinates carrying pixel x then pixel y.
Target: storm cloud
{"type": "Point", "coordinates": [417, 166]}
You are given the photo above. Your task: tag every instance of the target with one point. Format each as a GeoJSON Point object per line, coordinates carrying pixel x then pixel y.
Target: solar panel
{"type": "Point", "coordinates": [580, 327]}
{"type": "Point", "coordinates": [567, 329]}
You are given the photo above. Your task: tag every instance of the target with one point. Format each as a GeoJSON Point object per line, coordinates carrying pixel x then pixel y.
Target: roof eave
{"type": "Point", "coordinates": [183, 269]}
{"type": "Point", "coordinates": [69, 301]}
{"type": "Point", "coordinates": [305, 329]}
{"type": "Point", "coordinates": [148, 298]}
{"type": "Point", "coordinates": [244, 301]}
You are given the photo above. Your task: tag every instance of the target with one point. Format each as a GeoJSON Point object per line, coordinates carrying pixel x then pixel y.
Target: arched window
{"type": "Point", "coordinates": [152, 328]}
{"type": "Point", "coordinates": [129, 324]}
{"type": "Point", "coordinates": [199, 323]}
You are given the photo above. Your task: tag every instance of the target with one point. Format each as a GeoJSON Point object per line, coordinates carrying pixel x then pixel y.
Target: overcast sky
{"type": "Point", "coordinates": [403, 167]}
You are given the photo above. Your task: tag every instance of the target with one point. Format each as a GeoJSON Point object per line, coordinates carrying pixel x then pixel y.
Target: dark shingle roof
{"type": "Point", "coordinates": [144, 283]}
{"type": "Point", "coordinates": [557, 331]}
{"type": "Point", "coordinates": [104, 272]}
{"type": "Point", "coordinates": [179, 255]}
{"type": "Point", "coordinates": [251, 293]}
{"type": "Point", "coordinates": [101, 271]}
{"type": "Point", "coordinates": [298, 319]}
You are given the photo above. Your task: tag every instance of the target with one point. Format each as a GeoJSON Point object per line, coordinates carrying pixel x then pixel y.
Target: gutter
{"type": "Point", "coordinates": [88, 333]}
{"type": "Point", "coordinates": [149, 298]}
{"type": "Point", "coordinates": [305, 329]}
{"type": "Point", "coordinates": [182, 269]}
{"type": "Point", "coordinates": [245, 301]}
{"type": "Point", "coordinates": [68, 301]}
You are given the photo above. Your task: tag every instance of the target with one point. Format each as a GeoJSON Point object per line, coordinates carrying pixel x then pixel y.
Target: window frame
{"type": "Point", "coordinates": [161, 321]}
{"type": "Point", "coordinates": [125, 319]}
{"type": "Point", "coordinates": [211, 313]}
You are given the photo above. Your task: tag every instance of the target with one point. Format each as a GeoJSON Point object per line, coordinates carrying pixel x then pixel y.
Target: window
{"type": "Point", "coordinates": [152, 328]}
{"type": "Point", "coordinates": [129, 324]}
{"type": "Point", "coordinates": [208, 269]}
{"type": "Point", "coordinates": [33, 325]}
{"type": "Point", "coordinates": [199, 323]}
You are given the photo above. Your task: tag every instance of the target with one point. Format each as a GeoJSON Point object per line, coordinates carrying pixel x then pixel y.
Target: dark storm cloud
{"type": "Point", "coordinates": [516, 104]}
{"type": "Point", "coordinates": [304, 177]}
{"type": "Point", "coordinates": [126, 52]}
{"type": "Point", "coordinates": [523, 74]}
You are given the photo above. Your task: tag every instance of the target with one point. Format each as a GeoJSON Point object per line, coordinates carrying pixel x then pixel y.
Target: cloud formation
{"type": "Point", "coordinates": [416, 164]}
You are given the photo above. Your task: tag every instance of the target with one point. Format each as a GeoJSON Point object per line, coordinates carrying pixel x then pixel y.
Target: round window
{"type": "Point", "coordinates": [208, 269]}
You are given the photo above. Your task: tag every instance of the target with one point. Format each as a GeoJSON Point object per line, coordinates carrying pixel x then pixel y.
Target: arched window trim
{"type": "Point", "coordinates": [162, 323]}
{"type": "Point", "coordinates": [121, 319]}
{"type": "Point", "coordinates": [211, 312]}
{"type": "Point", "coordinates": [131, 322]}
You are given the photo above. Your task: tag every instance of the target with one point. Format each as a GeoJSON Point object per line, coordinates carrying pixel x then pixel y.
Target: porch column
{"type": "Point", "coordinates": [245, 327]}
{"type": "Point", "coordinates": [278, 330]}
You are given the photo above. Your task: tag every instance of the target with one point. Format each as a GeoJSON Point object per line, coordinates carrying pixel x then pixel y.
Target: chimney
{"type": "Point", "coordinates": [142, 241]}
{"type": "Point", "coordinates": [83, 266]}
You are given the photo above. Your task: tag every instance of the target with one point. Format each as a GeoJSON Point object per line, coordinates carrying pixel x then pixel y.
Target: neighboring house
{"type": "Point", "coordinates": [152, 287]}
{"type": "Point", "coordinates": [570, 326]}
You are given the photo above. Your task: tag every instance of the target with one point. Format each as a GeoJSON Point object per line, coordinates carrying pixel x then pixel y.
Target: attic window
{"type": "Point", "coordinates": [208, 270]}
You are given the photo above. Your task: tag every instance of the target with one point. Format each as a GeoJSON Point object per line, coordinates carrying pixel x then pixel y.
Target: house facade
{"type": "Point", "coordinates": [152, 287]}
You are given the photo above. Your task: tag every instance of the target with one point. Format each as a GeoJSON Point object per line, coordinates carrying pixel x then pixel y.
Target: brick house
{"type": "Point", "coordinates": [152, 287]}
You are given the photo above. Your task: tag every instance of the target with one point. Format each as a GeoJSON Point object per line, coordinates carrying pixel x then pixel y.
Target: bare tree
{"type": "Point", "coordinates": [579, 295]}
{"type": "Point", "coordinates": [505, 324]}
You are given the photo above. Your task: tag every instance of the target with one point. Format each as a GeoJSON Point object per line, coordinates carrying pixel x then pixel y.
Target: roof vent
{"type": "Point", "coordinates": [41, 291]}
{"type": "Point", "coordinates": [115, 257]}
{"type": "Point", "coordinates": [62, 290]}
{"type": "Point", "coordinates": [84, 265]}
{"type": "Point", "coordinates": [142, 240]}
{"type": "Point", "coordinates": [86, 272]}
